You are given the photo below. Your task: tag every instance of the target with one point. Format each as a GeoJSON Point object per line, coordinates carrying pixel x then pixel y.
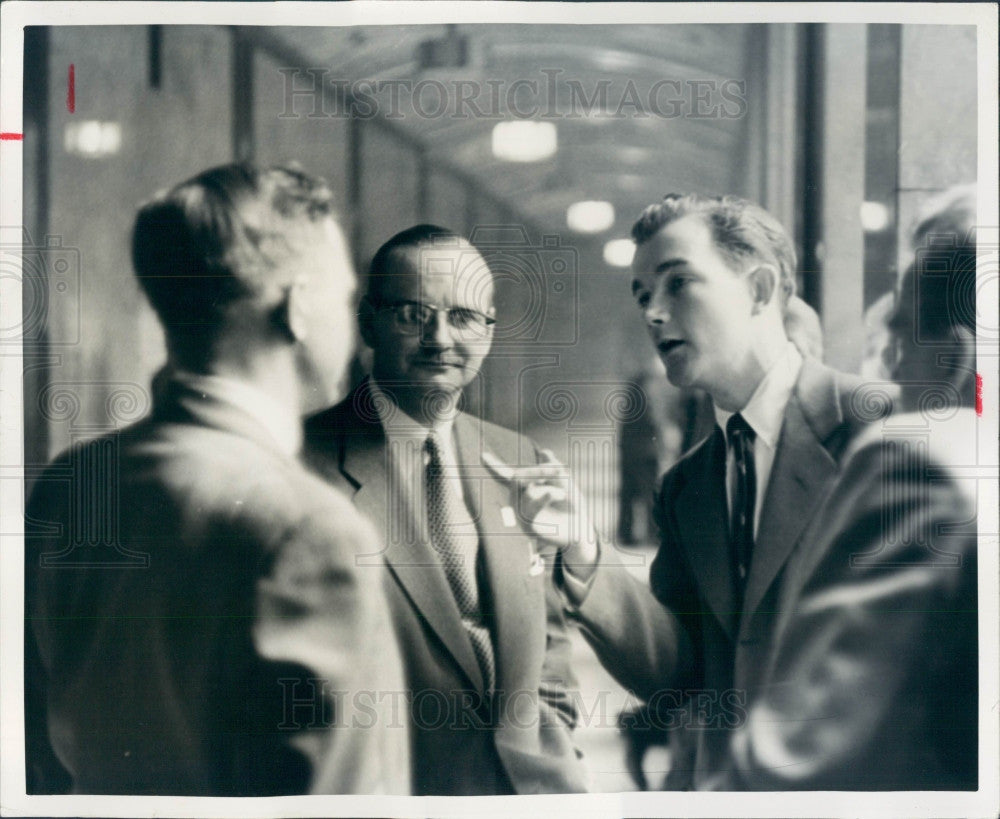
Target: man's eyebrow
{"type": "Point", "coordinates": [668, 264]}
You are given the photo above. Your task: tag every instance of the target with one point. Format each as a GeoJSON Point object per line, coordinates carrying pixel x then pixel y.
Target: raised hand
{"type": "Point", "coordinates": [550, 506]}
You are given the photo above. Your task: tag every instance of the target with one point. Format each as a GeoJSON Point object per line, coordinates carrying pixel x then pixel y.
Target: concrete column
{"type": "Point", "coordinates": [842, 187]}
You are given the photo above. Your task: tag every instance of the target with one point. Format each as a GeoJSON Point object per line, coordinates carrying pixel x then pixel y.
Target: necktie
{"type": "Point", "coordinates": [452, 534]}
{"type": "Point", "coordinates": [741, 438]}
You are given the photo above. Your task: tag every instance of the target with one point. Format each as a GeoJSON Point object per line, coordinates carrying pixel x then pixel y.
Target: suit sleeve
{"type": "Point", "coordinates": [324, 639]}
{"type": "Point", "coordinates": [44, 773]}
{"type": "Point", "coordinates": [558, 680]}
{"type": "Point", "coordinates": [637, 638]}
{"type": "Point", "coordinates": [890, 602]}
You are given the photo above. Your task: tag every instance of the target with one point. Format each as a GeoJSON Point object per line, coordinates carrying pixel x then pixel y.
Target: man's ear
{"type": "Point", "coordinates": [290, 314]}
{"type": "Point", "coordinates": [763, 285]}
{"type": "Point", "coordinates": [366, 321]}
{"type": "Point", "coordinates": [961, 360]}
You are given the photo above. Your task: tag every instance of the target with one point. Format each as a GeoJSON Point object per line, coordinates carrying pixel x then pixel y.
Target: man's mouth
{"type": "Point", "coordinates": [436, 363]}
{"type": "Point", "coordinates": [668, 345]}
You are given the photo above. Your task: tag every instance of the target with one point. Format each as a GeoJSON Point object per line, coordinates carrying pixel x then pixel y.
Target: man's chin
{"type": "Point", "coordinates": [677, 374]}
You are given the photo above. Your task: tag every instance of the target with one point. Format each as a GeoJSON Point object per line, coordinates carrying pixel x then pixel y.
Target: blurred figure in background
{"type": "Point", "coordinates": [647, 445]}
{"type": "Point", "coordinates": [874, 682]}
{"type": "Point", "coordinates": [198, 621]}
{"type": "Point", "coordinates": [875, 363]}
{"type": "Point", "coordinates": [803, 328]}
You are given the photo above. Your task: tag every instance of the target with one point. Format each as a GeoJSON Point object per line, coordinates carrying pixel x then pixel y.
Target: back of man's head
{"type": "Point", "coordinates": [944, 263]}
{"type": "Point", "coordinates": [742, 231]}
{"type": "Point", "coordinates": [934, 321]}
{"type": "Point", "coordinates": [213, 242]}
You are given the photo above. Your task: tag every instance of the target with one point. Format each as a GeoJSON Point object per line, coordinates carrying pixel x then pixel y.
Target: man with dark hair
{"type": "Point", "coordinates": [873, 684]}
{"type": "Point", "coordinates": [484, 642]}
{"type": "Point", "coordinates": [712, 278]}
{"type": "Point", "coordinates": [197, 621]}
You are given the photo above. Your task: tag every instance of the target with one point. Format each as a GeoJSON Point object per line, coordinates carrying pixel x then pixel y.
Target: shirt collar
{"type": "Point", "coordinates": [283, 425]}
{"type": "Point", "coordinates": [765, 410]}
{"type": "Point", "coordinates": [398, 423]}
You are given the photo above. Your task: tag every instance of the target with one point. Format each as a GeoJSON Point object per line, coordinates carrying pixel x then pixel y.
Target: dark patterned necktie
{"type": "Point", "coordinates": [452, 534]}
{"type": "Point", "coordinates": [741, 438]}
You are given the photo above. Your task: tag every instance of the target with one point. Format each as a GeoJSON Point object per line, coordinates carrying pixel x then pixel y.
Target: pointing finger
{"type": "Point", "coordinates": [498, 467]}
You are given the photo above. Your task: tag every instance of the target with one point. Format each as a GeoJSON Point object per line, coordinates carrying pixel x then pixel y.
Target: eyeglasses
{"type": "Point", "coordinates": [412, 317]}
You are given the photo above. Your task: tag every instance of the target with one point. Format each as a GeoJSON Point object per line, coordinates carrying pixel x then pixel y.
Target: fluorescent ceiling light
{"type": "Point", "coordinates": [590, 216]}
{"type": "Point", "coordinates": [93, 139]}
{"type": "Point", "coordinates": [524, 140]}
{"type": "Point", "coordinates": [619, 252]}
{"type": "Point", "coordinates": [874, 217]}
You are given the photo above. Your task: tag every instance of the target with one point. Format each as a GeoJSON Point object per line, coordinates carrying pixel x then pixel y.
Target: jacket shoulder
{"type": "Point", "coordinates": [838, 405]}
{"type": "Point", "coordinates": [357, 409]}
{"type": "Point", "coordinates": [691, 459]}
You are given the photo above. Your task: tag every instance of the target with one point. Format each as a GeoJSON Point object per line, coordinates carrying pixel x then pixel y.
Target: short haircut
{"type": "Point", "coordinates": [214, 239]}
{"type": "Point", "coordinates": [740, 229]}
{"type": "Point", "coordinates": [383, 264]}
{"type": "Point", "coordinates": [944, 263]}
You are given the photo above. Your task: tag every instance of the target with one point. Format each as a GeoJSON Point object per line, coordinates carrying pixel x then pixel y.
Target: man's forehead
{"type": "Point", "coordinates": [434, 265]}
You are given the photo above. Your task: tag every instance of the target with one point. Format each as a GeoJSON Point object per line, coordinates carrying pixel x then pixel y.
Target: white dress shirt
{"type": "Point", "coordinates": [764, 413]}
{"type": "Point", "coordinates": [405, 438]}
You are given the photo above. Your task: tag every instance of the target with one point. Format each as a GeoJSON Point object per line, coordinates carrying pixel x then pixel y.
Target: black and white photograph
{"type": "Point", "coordinates": [488, 408]}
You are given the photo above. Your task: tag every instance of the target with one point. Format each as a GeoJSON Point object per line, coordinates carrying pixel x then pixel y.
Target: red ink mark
{"type": "Point", "coordinates": [11, 135]}
{"type": "Point", "coordinates": [71, 89]}
{"type": "Point", "coordinates": [979, 395]}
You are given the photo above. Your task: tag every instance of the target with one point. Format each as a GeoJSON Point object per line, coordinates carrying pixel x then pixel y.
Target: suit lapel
{"type": "Point", "coordinates": [801, 472]}
{"type": "Point", "coordinates": [509, 597]}
{"type": "Point", "coordinates": [365, 463]}
{"type": "Point", "coordinates": [701, 516]}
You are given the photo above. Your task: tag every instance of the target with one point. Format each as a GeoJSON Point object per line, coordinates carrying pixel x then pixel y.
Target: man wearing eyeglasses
{"type": "Point", "coordinates": [484, 641]}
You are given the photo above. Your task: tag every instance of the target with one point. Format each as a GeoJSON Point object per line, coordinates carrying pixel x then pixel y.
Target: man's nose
{"type": "Point", "coordinates": [656, 312]}
{"type": "Point", "coordinates": [436, 331]}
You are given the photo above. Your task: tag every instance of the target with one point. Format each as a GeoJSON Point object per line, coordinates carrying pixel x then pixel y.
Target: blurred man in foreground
{"type": "Point", "coordinates": [196, 621]}
{"type": "Point", "coordinates": [873, 684]}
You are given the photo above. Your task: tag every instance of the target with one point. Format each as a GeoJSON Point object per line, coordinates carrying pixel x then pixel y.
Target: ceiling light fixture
{"type": "Point", "coordinates": [524, 140]}
{"type": "Point", "coordinates": [590, 216]}
{"type": "Point", "coordinates": [619, 252]}
{"type": "Point", "coordinates": [875, 217]}
{"type": "Point", "coordinates": [92, 139]}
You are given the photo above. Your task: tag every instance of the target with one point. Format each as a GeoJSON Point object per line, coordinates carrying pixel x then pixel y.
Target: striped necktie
{"type": "Point", "coordinates": [452, 534]}
{"type": "Point", "coordinates": [741, 440]}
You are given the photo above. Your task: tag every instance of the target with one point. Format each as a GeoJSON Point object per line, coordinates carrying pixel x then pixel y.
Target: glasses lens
{"type": "Point", "coordinates": [411, 317]}
{"type": "Point", "coordinates": [462, 319]}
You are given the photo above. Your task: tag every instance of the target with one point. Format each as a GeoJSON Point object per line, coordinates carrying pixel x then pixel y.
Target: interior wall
{"type": "Point", "coordinates": [103, 341]}
{"type": "Point", "coordinates": [578, 325]}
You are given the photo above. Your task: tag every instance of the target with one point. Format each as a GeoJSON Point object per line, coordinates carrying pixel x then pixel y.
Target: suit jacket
{"type": "Point", "coordinates": [464, 742]}
{"type": "Point", "coordinates": [871, 682]}
{"type": "Point", "coordinates": [196, 623]}
{"type": "Point", "coordinates": [691, 644]}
